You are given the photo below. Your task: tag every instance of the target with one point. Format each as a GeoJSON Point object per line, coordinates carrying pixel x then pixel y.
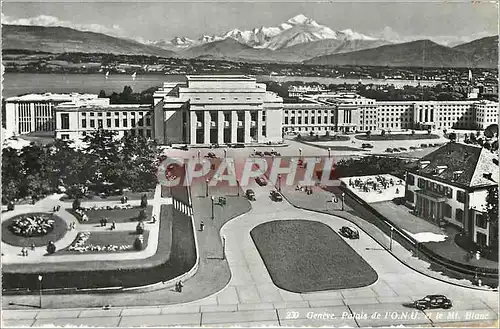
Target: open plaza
{"type": "Point", "coordinates": [224, 246]}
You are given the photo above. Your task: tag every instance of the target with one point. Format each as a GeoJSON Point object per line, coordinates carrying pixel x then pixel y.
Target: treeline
{"type": "Point", "coordinates": [127, 96]}
{"type": "Point", "coordinates": [105, 162]}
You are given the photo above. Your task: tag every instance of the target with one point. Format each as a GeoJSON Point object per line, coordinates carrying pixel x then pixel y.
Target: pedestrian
{"type": "Point", "coordinates": [154, 219]}
{"type": "Point", "coordinates": [179, 286]}
{"type": "Point", "coordinates": [102, 222]}
{"type": "Point", "coordinates": [58, 207]}
{"type": "Point", "coordinates": [23, 253]}
{"type": "Point", "coordinates": [113, 226]}
{"type": "Point", "coordinates": [54, 209]}
{"type": "Point", "coordinates": [202, 226]}
{"type": "Point", "coordinates": [33, 246]}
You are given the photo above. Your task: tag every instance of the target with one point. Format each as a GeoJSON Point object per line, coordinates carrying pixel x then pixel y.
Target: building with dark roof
{"type": "Point", "coordinates": [451, 185]}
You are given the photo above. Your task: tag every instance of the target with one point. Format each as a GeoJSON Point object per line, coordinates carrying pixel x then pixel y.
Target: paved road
{"type": "Point", "coordinates": [251, 299]}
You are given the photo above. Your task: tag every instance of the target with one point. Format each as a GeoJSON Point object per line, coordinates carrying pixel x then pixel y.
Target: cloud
{"type": "Point", "coordinates": [447, 40]}
{"type": "Point", "coordinates": [46, 20]}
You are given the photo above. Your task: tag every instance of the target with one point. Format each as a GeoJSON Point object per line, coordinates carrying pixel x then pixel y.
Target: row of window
{"type": "Point", "coordinates": [431, 186]}
{"type": "Point", "coordinates": [108, 114]}
{"type": "Point", "coordinates": [100, 123]}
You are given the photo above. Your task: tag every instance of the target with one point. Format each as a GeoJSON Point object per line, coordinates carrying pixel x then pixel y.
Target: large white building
{"type": "Point", "coordinates": [217, 109]}
{"type": "Point", "coordinates": [451, 184]}
{"type": "Point", "coordinates": [36, 112]}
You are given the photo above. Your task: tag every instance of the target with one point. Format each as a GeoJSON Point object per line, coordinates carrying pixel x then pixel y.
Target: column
{"type": "Point", "coordinates": [247, 126]}
{"type": "Point", "coordinates": [206, 127]}
{"type": "Point", "coordinates": [234, 126]}
{"type": "Point", "coordinates": [193, 123]}
{"type": "Point", "coordinates": [259, 127]}
{"type": "Point", "coordinates": [32, 117]}
{"type": "Point", "coordinates": [220, 127]}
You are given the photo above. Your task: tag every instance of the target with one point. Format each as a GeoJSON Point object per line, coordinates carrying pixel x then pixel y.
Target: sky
{"type": "Point", "coordinates": [445, 21]}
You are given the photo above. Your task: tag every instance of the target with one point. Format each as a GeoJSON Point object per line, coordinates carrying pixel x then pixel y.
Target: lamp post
{"type": "Point", "coordinates": [238, 186]}
{"type": "Point", "coordinates": [329, 154]}
{"type": "Point", "coordinates": [206, 190]}
{"type": "Point", "coordinates": [40, 286]}
{"type": "Point", "coordinates": [212, 198]}
{"type": "Point", "coordinates": [279, 182]}
{"type": "Point", "coordinates": [199, 154]}
{"type": "Point", "coordinates": [390, 242]}
{"type": "Point", "coordinates": [300, 152]}
{"type": "Point", "coordinates": [225, 153]}
{"type": "Point", "coordinates": [343, 195]}
{"type": "Point", "coordinates": [223, 247]}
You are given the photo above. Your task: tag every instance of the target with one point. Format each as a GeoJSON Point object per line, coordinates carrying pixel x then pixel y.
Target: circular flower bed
{"type": "Point", "coordinates": [32, 225]}
{"type": "Point", "coordinates": [33, 228]}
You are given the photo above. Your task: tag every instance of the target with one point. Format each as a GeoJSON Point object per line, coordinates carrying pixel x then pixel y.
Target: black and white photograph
{"type": "Point", "coordinates": [249, 163]}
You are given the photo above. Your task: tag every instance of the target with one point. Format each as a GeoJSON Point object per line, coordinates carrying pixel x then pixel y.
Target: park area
{"type": "Point", "coordinates": [375, 188]}
{"type": "Point", "coordinates": [118, 214]}
{"type": "Point", "coordinates": [396, 137]}
{"type": "Point", "coordinates": [306, 256]}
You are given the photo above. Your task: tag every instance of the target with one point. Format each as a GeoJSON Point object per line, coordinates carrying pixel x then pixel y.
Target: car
{"type": "Point", "coordinates": [433, 301]}
{"type": "Point", "coordinates": [259, 153]}
{"type": "Point", "coordinates": [239, 146]}
{"type": "Point", "coordinates": [275, 153]}
{"type": "Point", "coordinates": [413, 147]}
{"type": "Point", "coordinates": [250, 194]}
{"type": "Point", "coordinates": [349, 232]}
{"type": "Point", "coordinates": [367, 146]}
{"type": "Point", "coordinates": [184, 148]}
{"type": "Point", "coordinates": [389, 150]}
{"type": "Point", "coordinates": [267, 153]}
{"type": "Point", "coordinates": [276, 196]}
{"type": "Point", "coordinates": [403, 149]}
{"type": "Point", "coordinates": [423, 145]}
{"type": "Point", "coordinates": [261, 181]}
{"type": "Point", "coordinates": [214, 146]}
{"type": "Point", "coordinates": [211, 155]}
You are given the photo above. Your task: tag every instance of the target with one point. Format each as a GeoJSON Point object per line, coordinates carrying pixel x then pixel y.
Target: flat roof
{"type": "Point", "coordinates": [220, 77]}
{"type": "Point", "coordinates": [50, 97]}
{"type": "Point", "coordinates": [100, 107]}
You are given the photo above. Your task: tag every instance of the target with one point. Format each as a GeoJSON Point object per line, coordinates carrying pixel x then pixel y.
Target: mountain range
{"type": "Point", "coordinates": [298, 40]}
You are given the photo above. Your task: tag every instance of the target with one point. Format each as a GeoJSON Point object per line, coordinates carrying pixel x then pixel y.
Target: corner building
{"type": "Point", "coordinates": [217, 109]}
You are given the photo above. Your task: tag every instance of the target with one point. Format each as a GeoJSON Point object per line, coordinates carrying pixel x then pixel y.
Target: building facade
{"type": "Point", "coordinates": [36, 112]}
{"type": "Point", "coordinates": [451, 184]}
{"type": "Point", "coordinates": [74, 120]}
{"type": "Point", "coordinates": [217, 109]}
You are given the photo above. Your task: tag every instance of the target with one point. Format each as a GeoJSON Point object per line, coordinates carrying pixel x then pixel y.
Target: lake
{"type": "Point", "coordinates": [23, 83]}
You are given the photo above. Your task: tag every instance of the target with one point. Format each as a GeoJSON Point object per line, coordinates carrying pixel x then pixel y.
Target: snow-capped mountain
{"type": "Point", "coordinates": [298, 29]}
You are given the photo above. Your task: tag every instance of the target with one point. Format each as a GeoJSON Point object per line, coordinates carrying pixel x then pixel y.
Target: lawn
{"type": "Point", "coordinates": [396, 137]}
{"type": "Point", "coordinates": [117, 238]}
{"type": "Point", "coordinates": [117, 215]}
{"type": "Point", "coordinates": [306, 256]}
{"type": "Point", "coordinates": [58, 231]}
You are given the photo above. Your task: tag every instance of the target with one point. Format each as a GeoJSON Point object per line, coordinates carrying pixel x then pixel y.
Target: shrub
{"type": "Point", "coordinates": [142, 215]}
{"type": "Point", "coordinates": [77, 204]}
{"type": "Point", "coordinates": [139, 229]}
{"type": "Point", "coordinates": [51, 247]}
{"type": "Point", "coordinates": [139, 243]}
{"type": "Point", "coordinates": [144, 201]}
{"type": "Point", "coordinates": [10, 206]}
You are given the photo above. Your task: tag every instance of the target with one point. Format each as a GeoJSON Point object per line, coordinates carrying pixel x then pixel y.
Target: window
{"type": "Point", "coordinates": [410, 179]}
{"type": "Point", "coordinates": [481, 221]}
{"type": "Point", "coordinates": [132, 123]}
{"type": "Point", "coordinates": [84, 123]}
{"type": "Point", "coordinates": [125, 123]}
{"type": "Point", "coordinates": [286, 120]}
{"type": "Point", "coordinates": [446, 210]}
{"type": "Point", "coordinates": [108, 123]}
{"type": "Point", "coordinates": [459, 215]}
{"type": "Point", "coordinates": [99, 123]}
{"type": "Point", "coordinates": [139, 132]}
{"type": "Point", "coordinates": [64, 136]}
{"type": "Point", "coordinates": [108, 114]}
{"type": "Point", "coordinates": [481, 239]}
{"type": "Point", "coordinates": [117, 122]}
{"type": "Point", "coordinates": [148, 121]}
{"type": "Point", "coordinates": [65, 121]}
{"type": "Point", "coordinates": [264, 131]}
{"type": "Point", "coordinates": [91, 114]}
{"type": "Point", "coordinates": [92, 123]}
{"type": "Point", "coordinates": [148, 133]}
{"type": "Point", "coordinates": [99, 114]}
{"type": "Point", "coordinates": [460, 196]}
{"type": "Point", "coordinates": [410, 196]}
{"type": "Point", "coordinates": [421, 183]}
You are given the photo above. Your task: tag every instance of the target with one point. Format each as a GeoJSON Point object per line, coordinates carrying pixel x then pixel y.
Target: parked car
{"type": "Point", "coordinates": [239, 146]}
{"type": "Point", "coordinates": [275, 153]}
{"type": "Point", "coordinates": [250, 194]}
{"type": "Point", "coordinates": [211, 155]}
{"type": "Point", "coordinates": [367, 146]}
{"type": "Point", "coordinates": [267, 153]}
{"type": "Point", "coordinates": [413, 147]}
{"type": "Point", "coordinates": [276, 196]}
{"type": "Point", "coordinates": [389, 150]}
{"type": "Point", "coordinates": [433, 301]}
{"type": "Point", "coordinates": [423, 145]}
{"type": "Point", "coordinates": [261, 181]}
{"type": "Point", "coordinates": [349, 232]}
{"type": "Point", "coordinates": [259, 153]}
{"type": "Point", "coordinates": [184, 148]}
{"type": "Point", "coordinates": [403, 149]}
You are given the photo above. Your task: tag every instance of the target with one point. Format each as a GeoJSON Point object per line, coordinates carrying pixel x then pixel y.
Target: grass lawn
{"type": "Point", "coordinates": [396, 137]}
{"type": "Point", "coordinates": [130, 195]}
{"type": "Point", "coordinates": [305, 256]}
{"type": "Point", "coordinates": [58, 231]}
{"type": "Point", "coordinates": [103, 239]}
{"type": "Point", "coordinates": [117, 215]}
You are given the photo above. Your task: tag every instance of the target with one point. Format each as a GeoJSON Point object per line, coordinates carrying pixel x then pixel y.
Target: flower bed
{"type": "Point", "coordinates": [117, 213]}
{"type": "Point", "coordinates": [103, 242]}
{"type": "Point", "coordinates": [33, 228]}
{"type": "Point", "coordinates": [32, 225]}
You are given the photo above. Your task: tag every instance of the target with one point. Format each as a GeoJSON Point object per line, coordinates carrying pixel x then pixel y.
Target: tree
{"type": "Point", "coordinates": [491, 131]}
{"type": "Point", "coordinates": [138, 243]}
{"type": "Point", "coordinates": [142, 215]}
{"type": "Point", "coordinates": [76, 204]}
{"type": "Point", "coordinates": [139, 229]}
{"type": "Point", "coordinates": [102, 94]}
{"type": "Point", "coordinates": [492, 212]}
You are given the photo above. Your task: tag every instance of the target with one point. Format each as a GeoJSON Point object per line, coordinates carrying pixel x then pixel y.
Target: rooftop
{"type": "Point", "coordinates": [51, 97]}
{"type": "Point", "coordinates": [471, 165]}
{"type": "Point", "coordinates": [220, 77]}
